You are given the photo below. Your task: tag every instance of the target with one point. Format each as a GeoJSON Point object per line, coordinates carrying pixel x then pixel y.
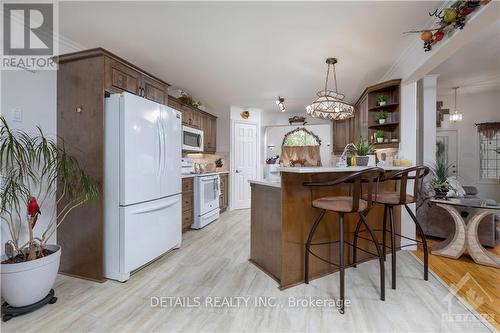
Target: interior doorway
{"type": "Point", "coordinates": [245, 162]}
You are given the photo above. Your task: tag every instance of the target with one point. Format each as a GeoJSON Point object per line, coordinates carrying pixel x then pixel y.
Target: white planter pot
{"type": "Point", "coordinates": [28, 282]}
{"type": "Point", "coordinates": [380, 140]}
{"type": "Point", "coordinates": [381, 103]}
{"type": "Point", "coordinates": [381, 121]}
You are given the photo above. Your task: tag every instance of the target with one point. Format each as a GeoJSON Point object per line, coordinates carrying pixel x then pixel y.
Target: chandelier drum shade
{"type": "Point", "coordinates": [330, 104]}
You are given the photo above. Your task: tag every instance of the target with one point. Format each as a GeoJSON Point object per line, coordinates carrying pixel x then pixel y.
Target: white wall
{"type": "Point", "coordinates": [476, 107]}
{"type": "Point", "coordinates": [429, 118]}
{"type": "Point", "coordinates": [274, 135]}
{"type": "Point", "coordinates": [34, 94]}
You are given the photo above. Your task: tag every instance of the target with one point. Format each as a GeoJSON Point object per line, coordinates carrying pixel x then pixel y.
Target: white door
{"type": "Point", "coordinates": [148, 230]}
{"type": "Point", "coordinates": [140, 144]}
{"type": "Point", "coordinates": [244, 166]}
{"type": "Point", "coordinates": [447, 145]}
{"type": "Point", "coordinates": [170, 156]}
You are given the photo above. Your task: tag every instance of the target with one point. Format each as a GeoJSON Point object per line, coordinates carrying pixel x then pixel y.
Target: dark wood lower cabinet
{"type": "Point", "coordinates": [224, 197]}
{"type": "Point", "coordinates": [187, 203]}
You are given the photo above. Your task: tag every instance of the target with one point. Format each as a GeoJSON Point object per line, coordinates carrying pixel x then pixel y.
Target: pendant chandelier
{"type": "Point", "coordinates": [455, 116]}
{"type": "Point", "coordinates": [330, 104]}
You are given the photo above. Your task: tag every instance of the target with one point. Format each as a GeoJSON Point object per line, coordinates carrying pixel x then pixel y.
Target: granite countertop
{"type": "Point", "coordinates": [266, 182]}
{"type": "Point", "coordinates": [203, 174]}
{"type": "Point", "coordinates": [331, 169]}
{"type": "Point", "coordinates": [277, 183]}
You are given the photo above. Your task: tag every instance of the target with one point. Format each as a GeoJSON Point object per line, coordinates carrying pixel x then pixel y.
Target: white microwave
{"type": "Point", "coordinates": [192, 139]}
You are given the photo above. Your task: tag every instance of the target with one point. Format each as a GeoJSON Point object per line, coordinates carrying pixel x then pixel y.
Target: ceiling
{"type": "Point", "coordinates": [474, 67]}
{"type": "Point", "coordinates": [243, 53]}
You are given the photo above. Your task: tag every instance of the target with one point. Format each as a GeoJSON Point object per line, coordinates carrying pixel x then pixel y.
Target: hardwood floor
{"type": "Point", "coordinates": [213, 262]}
{"type": "Point", "coordinates": [475, 281]}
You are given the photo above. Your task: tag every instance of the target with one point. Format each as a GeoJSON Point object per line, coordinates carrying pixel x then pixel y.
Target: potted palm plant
{"type": "Point", "coordinates": [440, 183]}
{"type": "Point", "coordinates": [379, 135]}
{"type": "Point", "coordinates": [361, 149]}
{"type": "Point", "coordinates": [32, 169]}
{"type": "Point", "coordinates": [382, 116]}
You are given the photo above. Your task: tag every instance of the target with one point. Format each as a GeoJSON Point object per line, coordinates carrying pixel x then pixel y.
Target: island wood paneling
{"type": "Point", "coordinates": [297, 217]}
{"type": "Point", "coordinates": [265, 229]}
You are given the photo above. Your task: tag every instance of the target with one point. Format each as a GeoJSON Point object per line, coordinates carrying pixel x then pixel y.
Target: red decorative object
{"type": "Point", "coordinates": [450, 19]}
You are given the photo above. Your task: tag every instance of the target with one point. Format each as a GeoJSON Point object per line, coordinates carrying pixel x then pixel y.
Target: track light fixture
{"type": "Point", "coordinates": [281, 103]}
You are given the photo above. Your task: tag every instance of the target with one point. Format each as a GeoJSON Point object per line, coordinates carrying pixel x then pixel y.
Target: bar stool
{"type": "Point", "coordinates": [400, 198]}
{"type": "Point", "coordinates": [343, 205]}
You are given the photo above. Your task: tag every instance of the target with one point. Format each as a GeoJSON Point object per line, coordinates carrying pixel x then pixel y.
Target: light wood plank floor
{"type": "Point", "coordinates": [214, 262]}
{"type": "Point", "coordinates": [479, 281]}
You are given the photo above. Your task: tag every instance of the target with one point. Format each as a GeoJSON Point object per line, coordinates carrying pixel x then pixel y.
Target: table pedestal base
{"type": "Point", "coordinates": [466, 238]}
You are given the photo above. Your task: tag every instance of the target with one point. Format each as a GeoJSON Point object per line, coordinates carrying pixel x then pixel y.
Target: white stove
{"type": "Point", "coordinates": [206, 200]}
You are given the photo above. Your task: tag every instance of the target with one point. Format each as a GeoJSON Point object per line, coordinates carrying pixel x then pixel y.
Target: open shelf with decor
{"type": "Point", "coordinates": [378, 114]}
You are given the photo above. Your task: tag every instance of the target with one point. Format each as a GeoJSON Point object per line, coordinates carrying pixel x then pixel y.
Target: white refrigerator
{"type": "Point", "coordinates": [142, 183]}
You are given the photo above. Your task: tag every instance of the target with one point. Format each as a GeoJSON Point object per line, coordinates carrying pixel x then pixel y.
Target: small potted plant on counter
{"type": "Point", "coordinates": [32, 169]}
{"type": "Point", "coordinates": [382, 100]}
{"type": "Point", "coordinates": [440, 183]}
{"type": "Point", "coordinates": [360, 150]}
{"type": "Point", "coordinates": [382, 117]}
{"type": "Point", "coordinates": [379, 136]}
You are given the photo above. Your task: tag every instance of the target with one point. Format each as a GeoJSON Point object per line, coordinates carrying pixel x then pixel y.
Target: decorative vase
{"type": "Point", "coordinates": [381, 103]}
{"type": "Point", "coordinates": [440, 193]}
{"type": "Point", "coordinates": [380, 140]}
{"type": "Point", "coordinates": [28, 282]}
{"type": "Point", "coordinates": [362, 160]}
{"type": "Point", "coordinates": [381, 121]}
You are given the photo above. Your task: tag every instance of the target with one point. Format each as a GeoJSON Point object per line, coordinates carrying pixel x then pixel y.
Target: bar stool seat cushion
{"type": "Point", "coordinates": [392, 198]}
{"type": "Point", "coordinates": [339, 204]}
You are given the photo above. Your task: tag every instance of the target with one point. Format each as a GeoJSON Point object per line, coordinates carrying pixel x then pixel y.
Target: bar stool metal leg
{"type": "Point", "coordinates": [384, 232]}
{"type": "Point", "coordinates": [308, 245]}
{"type": "Point", "coordinates": [341, 259]}
{"type": "Point", "coordinates": [380, 256]}
{"type": "Point", "coordinates": [393, 246]}
{"type": "Point", "coordinates": [355, 242]}
{"type": "Point", "coordinates": [424, 242]}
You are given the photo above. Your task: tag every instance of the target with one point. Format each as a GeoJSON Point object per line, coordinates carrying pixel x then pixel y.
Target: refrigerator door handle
{"type": "Point", "coordinates": [159, 156]}
{"type": "Point", "coordinates": [157, 207]}
{"type": "Point", "coordinates": [164, 139]}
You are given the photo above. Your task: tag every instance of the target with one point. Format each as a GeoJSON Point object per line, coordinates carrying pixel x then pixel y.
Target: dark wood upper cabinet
{"type": "Point", "coordinates": [154, 89]}
{"type": "Point", "coordinates": [119, 77]}
{"type": "Point", "coordinates": [197, 118]}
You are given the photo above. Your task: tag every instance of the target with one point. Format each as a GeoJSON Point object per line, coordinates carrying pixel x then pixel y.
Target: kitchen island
{"type": "Point", "coordinates": [282, 215]}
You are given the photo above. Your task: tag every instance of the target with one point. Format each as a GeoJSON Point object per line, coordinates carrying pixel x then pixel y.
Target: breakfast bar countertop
{"type": "Point", "coordinates": [332, 169]}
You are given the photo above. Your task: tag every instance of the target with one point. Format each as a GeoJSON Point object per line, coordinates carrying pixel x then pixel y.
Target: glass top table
{"type": "Point", "coordinates": [466, 226]}
{"type": "Point", "coordinates": [469, 203]}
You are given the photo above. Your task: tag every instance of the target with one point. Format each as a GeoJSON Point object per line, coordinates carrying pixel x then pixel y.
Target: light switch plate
{"type": "Point", "coordinates": [17, 115]}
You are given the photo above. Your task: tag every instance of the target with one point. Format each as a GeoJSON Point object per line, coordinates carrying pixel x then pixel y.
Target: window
{"type": "Point", "coordinates": [300, 137]}
{"type": "Point", "coordinates": [489, 156]}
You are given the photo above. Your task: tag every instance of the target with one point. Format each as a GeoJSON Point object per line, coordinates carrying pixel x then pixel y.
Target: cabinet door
{"type": "Point", "coordinates": [340, 135]}
{"type": "Point", "coordinates": [118, 77]}
{"type": "Point", "coordinates": [187, 116]}
{"type": "Point", "coordinates": [212, 143]}
{"type": "Point", "coordinates": [196, 118]}
{"type": "Point", "coordinates": [154, 90]}
{"type": "Point", "coordinates": [362, 124]}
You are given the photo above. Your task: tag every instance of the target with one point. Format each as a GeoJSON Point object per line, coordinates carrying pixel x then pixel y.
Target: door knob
{"type": "Point", "coordinates": [237, 171]}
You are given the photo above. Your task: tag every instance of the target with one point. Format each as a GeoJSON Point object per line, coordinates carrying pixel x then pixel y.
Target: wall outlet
{"type": "Point", "coordinates": [17, 115]}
